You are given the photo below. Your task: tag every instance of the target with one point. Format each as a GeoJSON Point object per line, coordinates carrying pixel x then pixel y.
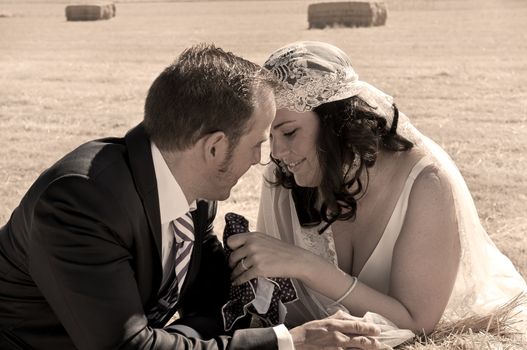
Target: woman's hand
{"type": "Point", "coordinates": [257, 254]}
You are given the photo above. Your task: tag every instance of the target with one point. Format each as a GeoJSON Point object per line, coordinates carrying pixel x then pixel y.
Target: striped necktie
{"type": "Point", "coordinates": [183, 228]}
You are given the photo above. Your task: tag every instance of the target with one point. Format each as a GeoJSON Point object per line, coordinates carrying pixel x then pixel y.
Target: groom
{"type": "Point", "coordinates": [115, 237]}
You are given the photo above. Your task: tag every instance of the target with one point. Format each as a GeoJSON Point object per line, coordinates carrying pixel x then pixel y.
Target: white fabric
{"type": "Point", "coordinates": [172, 203]}
{"type": "Point", "coordinates": [486, 278]}
{"type": "Point", "coordinates": [312, 73]}
{"type": "Point", "coordinates": [263, 295]}
{"type": "Point", "coordinates": [376, 271]}
{"type": "Point", "coordinates": [285, 341]}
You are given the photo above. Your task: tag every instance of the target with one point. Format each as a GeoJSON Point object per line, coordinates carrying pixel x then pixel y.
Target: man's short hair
{"type": "Point", "coordinates": [205, 90]}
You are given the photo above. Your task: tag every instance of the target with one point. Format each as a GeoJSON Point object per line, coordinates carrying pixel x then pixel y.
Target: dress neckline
{"type": "Point", "coordinates": [395, 216]}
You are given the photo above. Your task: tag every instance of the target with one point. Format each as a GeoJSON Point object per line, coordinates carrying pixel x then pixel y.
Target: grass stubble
{"type": "Point", "coordinates": [458, 69]}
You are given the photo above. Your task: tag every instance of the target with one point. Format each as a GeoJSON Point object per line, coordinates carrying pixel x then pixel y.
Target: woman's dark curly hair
{"type": "Point", "coordinates": [348, 129]}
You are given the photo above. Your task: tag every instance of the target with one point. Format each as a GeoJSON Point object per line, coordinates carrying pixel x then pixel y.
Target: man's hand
{"type": "Point", "coordinates": [339, 331]}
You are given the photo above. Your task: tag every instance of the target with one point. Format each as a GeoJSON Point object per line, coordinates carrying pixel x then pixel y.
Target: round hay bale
{"type": "Point", "coordinates": [90, 12]}
{"type": "Point", "coordinates": [346, 13]}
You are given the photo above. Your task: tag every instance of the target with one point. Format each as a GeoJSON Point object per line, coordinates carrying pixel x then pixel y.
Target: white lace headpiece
{"type": "Point", "coordinates": [313, 73]}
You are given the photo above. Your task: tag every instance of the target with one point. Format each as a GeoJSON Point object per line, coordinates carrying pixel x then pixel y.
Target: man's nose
{"type": "Point", "coordinates": [257, 156]}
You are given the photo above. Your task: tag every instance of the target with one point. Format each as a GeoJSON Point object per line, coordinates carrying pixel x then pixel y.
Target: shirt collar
{"type": "Point", "coordinates": [172, 200]}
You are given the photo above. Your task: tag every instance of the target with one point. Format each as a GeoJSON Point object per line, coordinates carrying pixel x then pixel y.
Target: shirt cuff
{"type": "Point", "coordinates": [285, 341]}
{"type": "Point", "coordinates": [185, 330]}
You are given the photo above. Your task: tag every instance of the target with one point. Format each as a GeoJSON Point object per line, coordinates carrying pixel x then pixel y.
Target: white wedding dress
{"type": "Point", "coordinates": [486, 278]}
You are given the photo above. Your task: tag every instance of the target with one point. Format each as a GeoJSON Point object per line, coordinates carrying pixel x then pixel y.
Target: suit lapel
{"type": "Point", "coordinates": [142, 166]}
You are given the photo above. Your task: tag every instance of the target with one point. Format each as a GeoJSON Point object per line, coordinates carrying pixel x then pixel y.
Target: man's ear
{"type": "Point", "coordinates": [215, 147]}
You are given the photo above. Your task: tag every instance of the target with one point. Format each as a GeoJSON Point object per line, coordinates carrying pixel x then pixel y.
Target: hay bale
{"type": "Point", "coordinates": [90, 12]}
{"type": "Point", "coordinates": [346, 13]}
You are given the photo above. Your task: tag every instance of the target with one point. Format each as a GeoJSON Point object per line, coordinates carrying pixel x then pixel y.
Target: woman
{"type": "Point", "coordinates": [362, 210]}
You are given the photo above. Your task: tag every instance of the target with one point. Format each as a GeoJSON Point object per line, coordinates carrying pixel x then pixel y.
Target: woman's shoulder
{"type": "Point", "coordinates": [429, 178]}
{"type": "Point", "coordinates": [432, 183]}
{"type": "Point", "coordinates": [419, 164]}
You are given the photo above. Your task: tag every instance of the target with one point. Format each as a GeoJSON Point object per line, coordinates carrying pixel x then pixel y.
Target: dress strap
{"type": "Point", "coordinates": [376, 271]}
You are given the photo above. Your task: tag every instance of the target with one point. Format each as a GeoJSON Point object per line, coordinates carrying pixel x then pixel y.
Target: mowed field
{"type": "Point", "coordinates": [458, 69]}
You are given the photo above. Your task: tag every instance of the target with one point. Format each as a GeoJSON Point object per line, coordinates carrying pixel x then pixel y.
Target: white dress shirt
{"type": "Point", "coordinates": [172, 205]}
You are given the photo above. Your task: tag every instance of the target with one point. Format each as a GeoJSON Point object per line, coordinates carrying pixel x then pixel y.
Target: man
{"type": "Point", "coordinates": [115, 237]}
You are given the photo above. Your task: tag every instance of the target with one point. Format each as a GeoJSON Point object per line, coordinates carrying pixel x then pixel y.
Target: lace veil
{"type": "Point", "coordinates": [313, 73]}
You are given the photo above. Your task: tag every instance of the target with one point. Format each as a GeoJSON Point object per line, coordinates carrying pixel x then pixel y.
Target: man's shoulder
{"type": "Point", "coordinates": [93, 157]}
{"type": "Point", "coordinates": [102, 160]}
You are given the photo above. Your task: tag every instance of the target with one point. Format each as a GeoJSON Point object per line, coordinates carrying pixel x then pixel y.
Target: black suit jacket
{"type": "Point", "coordinates": [80, 260]}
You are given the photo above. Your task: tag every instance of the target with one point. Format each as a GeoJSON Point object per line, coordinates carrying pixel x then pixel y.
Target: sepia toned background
{"type": "Point", "coordinates": [457, 68]}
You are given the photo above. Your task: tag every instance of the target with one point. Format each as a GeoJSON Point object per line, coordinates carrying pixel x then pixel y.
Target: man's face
{"type": "Point", "coordinates": [248, 151]}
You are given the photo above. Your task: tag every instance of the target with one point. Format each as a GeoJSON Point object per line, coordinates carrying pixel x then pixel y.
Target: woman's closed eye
{"type": "Point", "coordinates": [290, 133]}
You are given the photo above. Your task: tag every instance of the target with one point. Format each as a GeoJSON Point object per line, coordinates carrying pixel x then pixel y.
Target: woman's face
{"type": "Point", "coordinates": [293, 142]}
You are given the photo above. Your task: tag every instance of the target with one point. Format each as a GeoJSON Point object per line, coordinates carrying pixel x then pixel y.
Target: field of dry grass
{"type": "Point", "coordinates": [457, 68]}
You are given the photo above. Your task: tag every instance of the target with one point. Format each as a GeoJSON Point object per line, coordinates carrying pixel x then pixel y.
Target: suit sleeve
{"type": "Point", "coordinates": [80, 258]}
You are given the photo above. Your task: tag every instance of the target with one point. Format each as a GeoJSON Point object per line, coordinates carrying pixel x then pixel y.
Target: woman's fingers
{"type": "Point", "coordinates": [237, 255]}
{"type": "Point", "coordinates": [244, 245]}
{"type": "Point", "coordinates": [237, 240]}
{"type": "Point", "coordinates": [241, 272]}
{"type": "Point", "coordinates": [263, 256]}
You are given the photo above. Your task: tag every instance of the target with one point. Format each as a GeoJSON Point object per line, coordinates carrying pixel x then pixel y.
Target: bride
{"type": "Point", "coordinates": [364, 212]}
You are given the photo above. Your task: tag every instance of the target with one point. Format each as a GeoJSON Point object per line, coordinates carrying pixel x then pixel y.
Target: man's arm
{"type": "Point", "coordinates": [80, 258]}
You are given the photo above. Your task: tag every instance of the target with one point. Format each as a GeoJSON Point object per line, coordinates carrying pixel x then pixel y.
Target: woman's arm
{"type": "Point", "coordinates": [424, 266]}
{"type": "Point", "coordinates": [425, 259]}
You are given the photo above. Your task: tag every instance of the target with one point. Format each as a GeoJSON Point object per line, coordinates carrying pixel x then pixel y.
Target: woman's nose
{"type": "Point", "coordinates": [278, 149]}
